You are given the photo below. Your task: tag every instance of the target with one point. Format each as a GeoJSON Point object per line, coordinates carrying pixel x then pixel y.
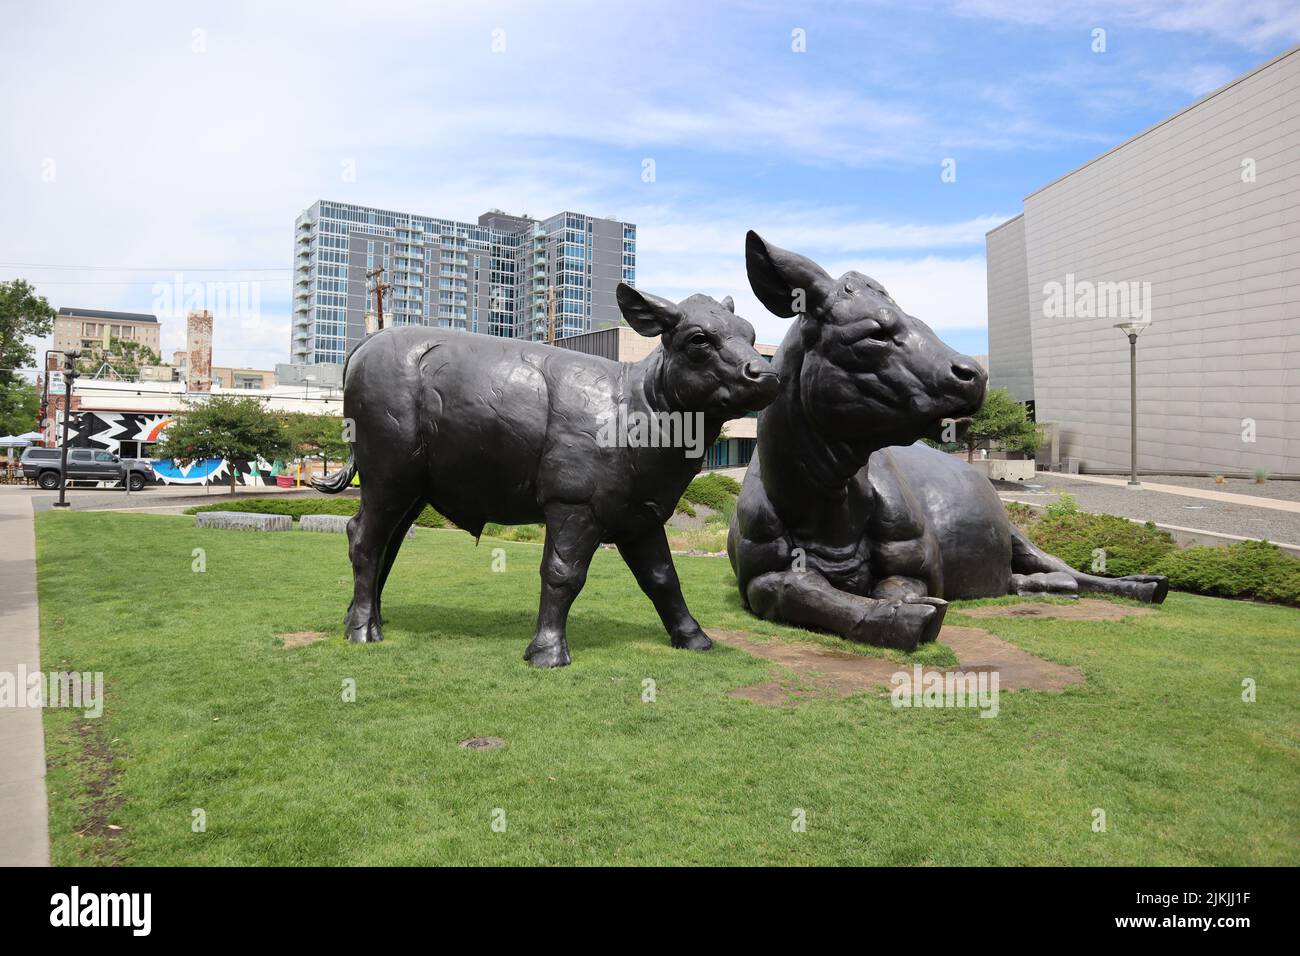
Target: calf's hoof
{"type": "Point", "coordinates": [695, 640]}
{"type": "Point", "coordinates": [365, 632]}
{"type": "Point", "coordinates": [547, 652]}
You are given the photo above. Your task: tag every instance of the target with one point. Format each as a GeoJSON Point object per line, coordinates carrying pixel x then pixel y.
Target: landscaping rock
{"type": "Point", "coordinates": [335, 524]}
{"type": "Point", "coordinates": [242, 521]}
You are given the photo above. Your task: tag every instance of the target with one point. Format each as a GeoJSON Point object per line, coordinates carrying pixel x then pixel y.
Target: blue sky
{"type": "Point", "coordinates": [189, 136]}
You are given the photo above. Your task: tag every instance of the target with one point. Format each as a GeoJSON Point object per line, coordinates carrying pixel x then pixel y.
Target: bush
{"type": "Point", "coordinates": [712, 490]}
{"type": "Point", "coordinates": [1254, 569]}
{"type": "Point", "coordinates": [1075, 536]}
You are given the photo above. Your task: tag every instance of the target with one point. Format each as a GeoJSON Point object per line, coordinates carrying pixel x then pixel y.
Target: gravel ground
{"type": "Point", "coordinates": [1160, 507]}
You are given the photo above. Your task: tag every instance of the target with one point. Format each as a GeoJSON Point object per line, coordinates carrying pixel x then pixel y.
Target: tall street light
{"type": "Point", "coordinates": [1133, 328]}
{"type": "Point", "coordinates": [69, 373]}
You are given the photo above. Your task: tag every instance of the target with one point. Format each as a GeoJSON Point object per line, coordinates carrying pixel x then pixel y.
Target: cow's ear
{"type": "Point", "coordinates": [729, 304]}
{"type": "Point", "coordinates": [648, 314]}
{"type": "Point", "coordinates": [785, 282]}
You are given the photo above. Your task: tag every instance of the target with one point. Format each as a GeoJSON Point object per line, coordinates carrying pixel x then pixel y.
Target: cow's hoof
{"type": "Point", "coordinates": [695, 640]}
{"type": "Point", "coordinates": [550, 654]}
{"type": "Point", "coordinates": [1152, 588]}
{"type": "Point", "coordinates": [900, 624]}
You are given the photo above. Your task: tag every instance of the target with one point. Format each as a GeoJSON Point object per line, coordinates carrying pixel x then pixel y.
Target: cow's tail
{"type": "Point", "coordinates": [336, 481]}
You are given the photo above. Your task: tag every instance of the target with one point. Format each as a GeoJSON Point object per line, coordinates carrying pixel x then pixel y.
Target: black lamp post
{"type": "Point", "coordinates": [1133, 328]}
{"type": "Point", "coordinates": [69, 373]}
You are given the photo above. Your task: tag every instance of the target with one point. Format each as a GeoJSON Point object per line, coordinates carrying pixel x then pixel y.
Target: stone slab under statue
{"type": "Point", "coordinates": [500, 430]}
{"type": "Point", "coordinates": [846, 522]}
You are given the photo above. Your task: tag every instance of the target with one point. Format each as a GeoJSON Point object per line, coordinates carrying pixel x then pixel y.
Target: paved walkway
{"type": "Point", "coordinates": [24, 825]}
{"type": "Point", "coordinates": [1253, 501]}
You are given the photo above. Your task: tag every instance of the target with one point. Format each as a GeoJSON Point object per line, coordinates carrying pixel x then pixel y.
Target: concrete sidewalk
{"type": "Point", "coordinates": [24, 822]}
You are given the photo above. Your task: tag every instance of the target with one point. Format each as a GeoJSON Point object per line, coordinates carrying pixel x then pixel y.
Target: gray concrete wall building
{"type": "Point", "coordinates": [1194, 223]}
{"type": "Point", "coordinates": [1009, 305]}
{"type": "Point", "coordinates": [490, 277]}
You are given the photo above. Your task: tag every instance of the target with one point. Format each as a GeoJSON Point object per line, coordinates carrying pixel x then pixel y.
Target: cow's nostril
{"type": "Point", "coordinates": [755, 369]}
{"type": "Point", "coordinates": [965, 372]}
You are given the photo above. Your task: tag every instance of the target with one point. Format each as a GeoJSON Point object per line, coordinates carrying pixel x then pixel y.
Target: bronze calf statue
{"type": "Point", "coordinates": [843, 524]}
{"type": "Point", "coordinates": [499, 430]}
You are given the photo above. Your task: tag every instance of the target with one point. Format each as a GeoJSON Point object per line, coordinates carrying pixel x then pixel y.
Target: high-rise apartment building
{"type": "Point", "coordinates": [491, 277]}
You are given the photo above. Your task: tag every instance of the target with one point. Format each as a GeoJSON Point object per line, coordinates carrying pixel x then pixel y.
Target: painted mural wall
{"type": "Point", "coordinates": [110, 430]}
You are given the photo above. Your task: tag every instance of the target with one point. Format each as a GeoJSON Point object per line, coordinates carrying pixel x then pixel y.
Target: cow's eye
{"type": "Point", "coordinates": [699, 338]}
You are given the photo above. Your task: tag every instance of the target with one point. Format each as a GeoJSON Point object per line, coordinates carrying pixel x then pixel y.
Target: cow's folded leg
{"type": "Point", "coordinates": [1028, 561]}
{"type": "Point", "coordinates": [572, 536]}
{"type": "Point", "coordinates": [651, 562]}
{"type": "Point", "coordinates": [806, 598]}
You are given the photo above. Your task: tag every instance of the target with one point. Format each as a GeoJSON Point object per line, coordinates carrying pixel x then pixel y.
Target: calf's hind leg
{"type": "Point", "coordinates": [572, 537]}
{"type": "Point", "coordinates": [370, 533]}
{"type": "Point", "coordinates": [1036, 571]}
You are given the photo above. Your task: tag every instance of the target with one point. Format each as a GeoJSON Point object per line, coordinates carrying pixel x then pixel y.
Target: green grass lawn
{"type": "Point", "coordinates": [205, 710]}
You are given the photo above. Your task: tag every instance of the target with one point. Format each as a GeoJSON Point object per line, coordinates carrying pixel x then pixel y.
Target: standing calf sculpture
{"type": "Point", "coordinates": [498, 430]}
{"type": "Point", "coordinates": [839, 529]}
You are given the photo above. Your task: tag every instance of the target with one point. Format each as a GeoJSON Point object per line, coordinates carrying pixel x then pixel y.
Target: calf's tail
{"type": "Point", "coordinates": [336, 481]}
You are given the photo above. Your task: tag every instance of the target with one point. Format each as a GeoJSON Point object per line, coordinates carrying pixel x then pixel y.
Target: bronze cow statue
{"type": "Point", "coordinates": [843, 524]}
{"type": "Point", "coordinates": [499, 430]}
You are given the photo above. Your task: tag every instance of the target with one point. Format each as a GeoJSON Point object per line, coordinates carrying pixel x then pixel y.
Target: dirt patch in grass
{"type": "Point", "coordinates": [301, 638]}
{"type": "Point", "coordinates": [104, 837]}
{"type": "Point", "coordinates": [810, 671]}
{"type": "Point", "coordinates": [1086, 609]}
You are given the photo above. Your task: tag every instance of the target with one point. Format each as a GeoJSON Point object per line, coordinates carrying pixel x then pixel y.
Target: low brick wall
{"type": "Point", "coordinates": [336, 524]}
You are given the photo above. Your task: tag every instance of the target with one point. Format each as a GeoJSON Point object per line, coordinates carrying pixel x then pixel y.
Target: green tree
{"type": "Point", "coordinates": [225, 426]}
{"type": "Point", "coordinates": [20, 405]}
{"type": "Point", "coordinates": [316, 436]}
{"type": "Point", "coordinates": [1001, 420]}
{"type": "Point", "coordinates": [23, 315]}
{"type": "Point", "coordinates": [123, 356]}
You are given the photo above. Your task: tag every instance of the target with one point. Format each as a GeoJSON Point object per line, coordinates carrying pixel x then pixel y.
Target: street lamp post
{"type": "Point", "coordinates": [69, 373]}
{"type": "Point", "coordinates": [1133, 328]}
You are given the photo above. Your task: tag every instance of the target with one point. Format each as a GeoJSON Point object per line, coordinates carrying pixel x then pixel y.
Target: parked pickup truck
{"type": "Point", "coordinates": [84, 464]}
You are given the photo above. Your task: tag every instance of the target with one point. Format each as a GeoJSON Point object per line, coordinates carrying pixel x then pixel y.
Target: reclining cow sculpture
{"type": "Point", "coordinates": [837, 527]}
{"type": "Point", "coordinates": [498, 430]}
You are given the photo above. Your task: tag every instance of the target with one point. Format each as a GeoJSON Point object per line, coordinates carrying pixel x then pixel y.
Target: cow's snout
{"type": "Point", "coordinates": [763, 384]}
{"type": "Point", "coordinates": [757, 369]}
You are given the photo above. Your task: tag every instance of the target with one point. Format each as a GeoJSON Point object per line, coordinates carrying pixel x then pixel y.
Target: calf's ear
{"type": "Point", "coordinates": [785, 282]}
{"type": "Point", "coordinates": [647, 314]}
{"type": "Point", "coordinates": [729, 304]}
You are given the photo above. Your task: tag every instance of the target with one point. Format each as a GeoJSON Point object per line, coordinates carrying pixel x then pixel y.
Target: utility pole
{"type": "Point", "coordinates": [550, 315]}
{"type": "Point", "coordinates": [69, 373]}
{"type": "Point", "coordinates": [45, 390]}
{"type": "Point", "coordinates": [380, 288]}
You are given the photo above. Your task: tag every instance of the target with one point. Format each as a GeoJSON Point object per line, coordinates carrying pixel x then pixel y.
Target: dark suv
{"type": "Point", "coordinates": [84, 464]}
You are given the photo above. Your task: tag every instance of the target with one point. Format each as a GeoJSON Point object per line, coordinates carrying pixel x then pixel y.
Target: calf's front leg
{"type": "Point", "coordinates": [652, 565]}
{"type": "Point", "coordinates": [572, 536]}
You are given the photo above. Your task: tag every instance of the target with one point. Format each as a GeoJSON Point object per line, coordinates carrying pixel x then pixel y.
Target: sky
{"type": "Point", "coordinates": [151, 145]}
